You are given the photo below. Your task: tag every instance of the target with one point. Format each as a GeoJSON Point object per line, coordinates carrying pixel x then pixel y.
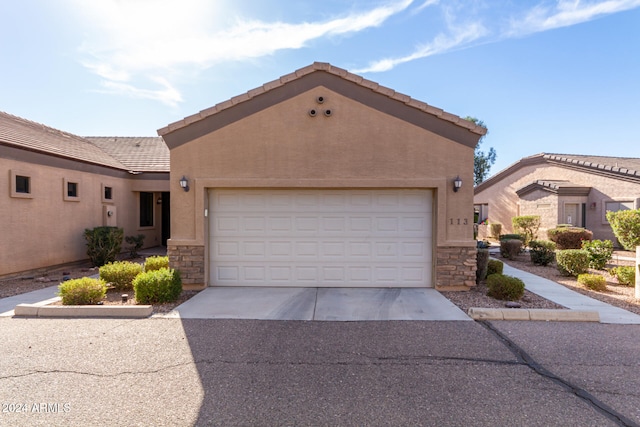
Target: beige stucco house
{"type": "Point", "coordinates": [55, 184]}
{"type": "Point", "coordinates": [562, 189]}
{"type": "Point", "coordinates": [322, 178]}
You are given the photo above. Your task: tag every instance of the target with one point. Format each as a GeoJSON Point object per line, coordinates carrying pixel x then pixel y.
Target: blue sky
{"type": "Point", "coordinates": [545, 76]}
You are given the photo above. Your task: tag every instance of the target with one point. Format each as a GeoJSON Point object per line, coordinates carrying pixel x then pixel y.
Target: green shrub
{"type": "Point", "coordinates": [156, 263]}
{"type": "Point", "coordinates": [600, 252]}
{"type": "Point", "coordinates": [482, 262]}
{"type": "Point", "coordinates": [626, 226]}
{"type": "Point", "coordinates": [572, 262]}
{"type": "Point", "coordinates": [120, 274]}
{"type": "Point", "coordinates": [103, 244]}
{"type": "Point", "coordinates": [527, 226]}
{"type": "Point", "coordinates": [510, 248]}
{"type": "Point", "coordinates": [593, 281]}
{"type": "Point", "coordinates": [542, 252]}
{"type": "Point", "coordinates": [136, 243]}
{"type": "Point", "coordinates": [569, 237]}
{"type": "Point", "coordinates": [495, 266]}
{"type": "Point", "coordinates": [157, 286]}
{"type": "Point", "coordinates": [626, 275]}
{"type": "Point", "coordinates": [503, 287]}
{"type": "Point", "coordinates": [495, 229]}
{"type": "Point", "coordinates": [83, 291]}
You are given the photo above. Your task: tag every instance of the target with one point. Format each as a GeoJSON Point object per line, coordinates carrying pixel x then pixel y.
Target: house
{"type": "Point", "coordinates": [562, 189]}
{"type": "Point", "coordinates": [323, 178]}
{"type": "Point", "coordinates": [56, 184]}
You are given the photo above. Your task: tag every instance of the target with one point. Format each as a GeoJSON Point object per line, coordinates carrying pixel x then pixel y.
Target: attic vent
{"type": "Point", "coordinates": [313, 112]}
{"type": "Point", "coordinates": [328, 113]}
{"type": "Point", "coordinates": [320, 99]}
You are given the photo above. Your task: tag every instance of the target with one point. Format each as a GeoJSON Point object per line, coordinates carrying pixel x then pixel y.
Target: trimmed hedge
{"type": "Point", "coordinates": [507, 288]}
{"type": "Point", "coordinates": [156, 263]}
{"type": "Point", "coordinates": [510, 248]}
{"type": "Point", "coordinates": [120, 274]}
{"type": "Point", "coordinates": [157, 286]}
{"type": "Point", "coordinates": [542, 252]}
{"type": "Point", "coordinates": [495, 266]}
{"type": "Point", "coordinates": [600, 252]}
{"type": "Point", "coordinates": [83, 291]}
{"type": "Point", "coordinates": [572, 262]}
{"type": "Point", "coordinates": [569, 237]}
{"type": "Point", "coordinates": [626, 275]}
{"type": "Point", "coordinates": [626, 227]}
{"type": "Point", "coordinates": [593, 281]}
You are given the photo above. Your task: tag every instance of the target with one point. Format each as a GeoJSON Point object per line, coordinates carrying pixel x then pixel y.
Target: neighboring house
{"type": "Point", "coordinates": [55, 185]}
{"type": "Point", "coordinates": [323, 178]}
{"type": "Point", "coordinates": [562, 189]}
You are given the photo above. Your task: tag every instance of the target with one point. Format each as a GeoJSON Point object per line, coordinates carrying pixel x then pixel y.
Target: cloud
{"type": "Point", "coordinates": [564, 14]}
{"type": "Point", "coordinates": [541, 17]}
{"type": "Point", "coordinates": [134, 39]}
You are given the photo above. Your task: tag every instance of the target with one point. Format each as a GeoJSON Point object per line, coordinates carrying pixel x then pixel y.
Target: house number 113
{"type": "Point", "coordinates": [458, 221]}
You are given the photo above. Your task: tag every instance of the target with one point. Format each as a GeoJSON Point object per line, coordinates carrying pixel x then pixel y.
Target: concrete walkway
{"type": "Point", "coordinates": [573, 300]}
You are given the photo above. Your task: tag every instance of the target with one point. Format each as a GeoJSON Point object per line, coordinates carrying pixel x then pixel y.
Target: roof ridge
{"type": "Point", "coordinates": [331, 69]}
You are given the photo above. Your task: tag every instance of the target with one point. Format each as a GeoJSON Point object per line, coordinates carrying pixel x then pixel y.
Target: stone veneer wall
{"type": "Point", "coordinates": [190, 261]}
{"type": "Point", "coordinates": [455, 268]}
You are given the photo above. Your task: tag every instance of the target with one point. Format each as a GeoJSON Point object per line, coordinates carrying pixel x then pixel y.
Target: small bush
{"type": "Point", "coordinates": [527, 226]}
{"type": "Point", "coordinates": [495, 267]}
{"type": "Point", "coordinates": [157, 286]}
{"type": "Point", "coordinates": [626, 275]}
{"type": "Point", "coordinates": [510, 237]}
{"type": "Point", "coordinates": [626, 226]}
{"type": "Point", "coordinates": [542, 252]}
{"type": "Point", "coordinates": [510, 248]}
{"type": "Point", "coordinates": [569, 237]}
{"type": "Point", "coordinates": [84, 291]}
{"type": "Point", "coordinates": [495, 229]}
{"type": "Point", "coordinates": [572, 262]}
{"type": "Point", "coordinates": [120, 274]}
{"type": "Point", "coordinates": [156, 263]}
{"type": "Point", "coordinates": [136, 243]}
{"type": "Point", "coordinates": [593, 281]}
{"type": "Point", "coordinates": [600, 252]}
{"type": "Point", "coordinates": [103, 244]}
{"type": "Point", "coordinates": [482, 261]}
{"type": "Point", "coordinates": [506, 288]}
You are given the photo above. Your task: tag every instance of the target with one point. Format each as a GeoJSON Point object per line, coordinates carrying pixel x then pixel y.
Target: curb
{"type": "Point", "coordinates": [548, 315]}
{"type": "Point", "coordinates": [130, 311]}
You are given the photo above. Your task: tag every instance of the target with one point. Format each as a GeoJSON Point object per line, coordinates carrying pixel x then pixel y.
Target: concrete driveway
{"type": "Point", "coordinates": [185, 372]}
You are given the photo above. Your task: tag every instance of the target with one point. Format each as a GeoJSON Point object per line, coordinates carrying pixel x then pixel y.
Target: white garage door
{"type": "Point", "coordinates": [342, 238]}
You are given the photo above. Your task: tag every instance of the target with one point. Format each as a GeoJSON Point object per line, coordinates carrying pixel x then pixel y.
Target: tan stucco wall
{"type": "Point", "coordinates": [505, 204]}
{"type": "Point", "coordinates": [45, 230]}
{"type": "Point", "coordinates": [356, 147]}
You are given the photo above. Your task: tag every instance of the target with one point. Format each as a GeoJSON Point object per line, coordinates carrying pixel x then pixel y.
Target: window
{"type": "Point", "coordinates": [615, 206]}
{"type": "Point", "coordinates": [71, 190]}
{"type": "Point", "coordinates": [23, 184]}
{"type": "Point", "coordinates": [146, 209]}
{"type": "Point", "coordinates": [106, 193]}
{"type": "Point", "coordinates": [20, 185]}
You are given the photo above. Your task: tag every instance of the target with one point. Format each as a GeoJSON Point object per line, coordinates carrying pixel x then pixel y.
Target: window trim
{"type": "Point", "coordinates": [65, 190]}
{"type": "Point", "coordinates": [13, 183]}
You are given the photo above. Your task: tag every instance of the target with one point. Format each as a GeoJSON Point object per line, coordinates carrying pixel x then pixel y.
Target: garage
{"type": "Point", "coordinates": [321, 237]}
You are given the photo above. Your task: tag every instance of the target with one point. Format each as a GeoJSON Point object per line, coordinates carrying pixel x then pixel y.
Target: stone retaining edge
{"type": "Point", "coordinates": [553, 315]}
{"type": "Point", "coordinates": [129, 311]}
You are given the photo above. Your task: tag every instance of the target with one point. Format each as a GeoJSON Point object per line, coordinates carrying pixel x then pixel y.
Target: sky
{"type": "Point", "coordinates": [544, 76]}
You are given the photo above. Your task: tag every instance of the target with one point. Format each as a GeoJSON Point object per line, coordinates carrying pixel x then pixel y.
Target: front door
{"type": "Point", "coordinates": [571, 214]}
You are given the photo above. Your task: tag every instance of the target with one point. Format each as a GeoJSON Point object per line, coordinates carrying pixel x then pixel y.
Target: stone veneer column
{"type": "Point", "coordinates": [455, 268]}
{"type": "Point", "coordinates": [190, 261]}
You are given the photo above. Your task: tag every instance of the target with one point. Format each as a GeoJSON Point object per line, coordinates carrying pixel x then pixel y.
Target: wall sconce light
{"type": "Point", "coordinates": [184, 183]}
{"type": "Point", "coordinates": [457, 183]}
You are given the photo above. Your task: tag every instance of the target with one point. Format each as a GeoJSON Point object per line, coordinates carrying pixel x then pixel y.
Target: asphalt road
{"type": "Point", "coordinates": [157, 372]}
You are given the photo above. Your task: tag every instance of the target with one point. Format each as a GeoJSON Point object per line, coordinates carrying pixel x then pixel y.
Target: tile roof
{"type": "Point", "coordinates": [25, 134]}
{"type": "Point", "coordinates": [328, 68]}
{"type": "Point", "coordinates": [142, 154]}
{"type": "Point", "coordinates": [626, 168]}
{"type": "Point", "coordinates": [561, 187]}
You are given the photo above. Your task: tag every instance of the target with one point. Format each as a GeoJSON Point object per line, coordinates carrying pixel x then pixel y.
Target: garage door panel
{"type": "Point", "coordinates": [320, 237]}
